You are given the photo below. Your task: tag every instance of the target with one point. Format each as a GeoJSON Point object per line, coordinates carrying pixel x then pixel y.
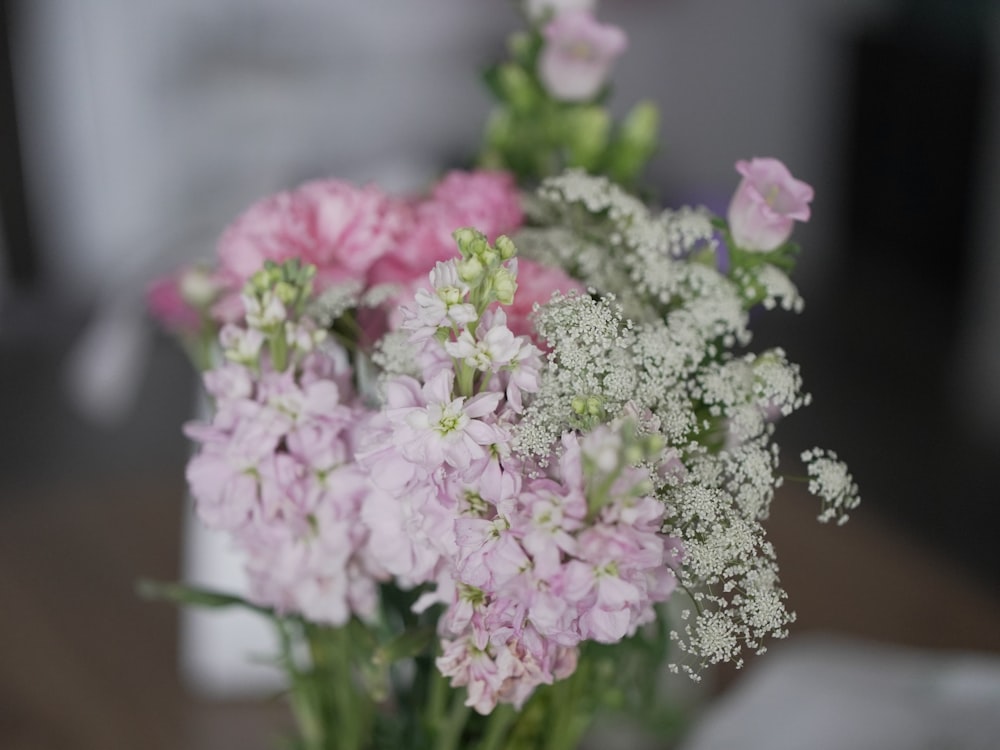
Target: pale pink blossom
{"type": "Point", "coordinates": [492, 347]}
{"type": "Point", "coordinates": [229, 382]}
{"type": "Point", "coordinates": [486, 200]}
{"type": "Point", "coordinates": [274, 469]}
{"type": "Point", "coordinates": [445, 429]}
{"type": "Point", "coordinates": [445, 305]}
{"type": "Point", "coordinates": [242, 345]}
{"type": "Point", "coordinates": [489, 555]}
{"type": "Point", "coordinates": [766, 204]}
{"type": "Point", "coordinates": [523, 375]}
{"type": "Point", "coordinates": [578, 54]}
{"type": "Point", "coordinates": [473, 668]}
{"type": "Point", "coordinates": [338, 227]}
{"type": "Point", "coordinates": [549, 517]}
{"type": "Point", "coordinates": [405, 530]}
{"type": "Point", "coordinates": [497, 476]}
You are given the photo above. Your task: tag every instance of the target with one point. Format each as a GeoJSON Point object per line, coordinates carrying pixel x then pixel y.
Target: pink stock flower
{"type": "Point", "coordinates": [578, 55]}
{"type": "Point", "coordinates": [472, 667]}
{"type": "Point", "coordinates": [406, 532]}
{"type": "Point", "coordinates": [445, 429]}
{"type": "Point", "coordinates": [767, 202]}
{"type": "Point", "coordinates": [492, 347]}
{"type": "Point", "coordinates": [488, 553]}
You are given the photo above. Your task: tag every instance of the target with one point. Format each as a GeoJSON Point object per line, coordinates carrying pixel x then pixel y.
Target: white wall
{"type": "Point", "coordinates": [149, 125]}
{"type": "Point", "coordinates": [737, 79]}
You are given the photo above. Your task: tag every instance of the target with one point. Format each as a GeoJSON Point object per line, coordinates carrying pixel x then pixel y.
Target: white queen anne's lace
{"type": "Point", "coordinates": [657, 336]}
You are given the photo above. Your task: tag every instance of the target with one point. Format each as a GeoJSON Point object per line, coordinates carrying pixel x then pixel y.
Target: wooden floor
{"type": "Point", "coordinates": [86, 665]}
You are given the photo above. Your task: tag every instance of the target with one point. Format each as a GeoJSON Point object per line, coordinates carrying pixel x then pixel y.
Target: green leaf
{"type": "Point", "coordinates": [407, 644]}
{"type": "Point", "coordinates": [180, 593]}
{"type": "Point", "coordinates": [491, 77]}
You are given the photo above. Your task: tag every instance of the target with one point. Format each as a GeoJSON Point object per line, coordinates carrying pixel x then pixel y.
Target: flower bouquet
{"type": "Point", "coordinates": [497, 456]}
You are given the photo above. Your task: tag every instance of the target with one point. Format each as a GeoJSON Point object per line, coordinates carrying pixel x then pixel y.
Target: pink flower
{"type": "Point", "coordinates": [488, 553]}
{"type": "Point", "coordinates": [486, 200]}
{"type": "Point", "coordinates": [578, 55]}
{"type": "Point", "coordinates": [176, 300]}
{"type": "Point", "coordinates": [492, 347]}
{"type": "Point", "coordinates": [338, 227]}
{"type": "Point", "coordinates": [766, 204]}
{"type": "Point", "coordinates": [444, 429]}
{"type": "Point", "coordinates": [472, 667]}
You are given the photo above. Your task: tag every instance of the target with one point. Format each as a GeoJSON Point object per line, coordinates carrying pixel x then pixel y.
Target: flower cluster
{"type": "Point", "coordinates": [368, 247]}
{"type": "Point", "coordinates": [275, 468]}
{"type": "Point", "coordinates": [529, 562]}
{"type": "Point", "coordinates": [529, 557]}
{"type": "Point", "coordinates": [658, 343]}
{"type": "Point", "coordinates": [517, 451]}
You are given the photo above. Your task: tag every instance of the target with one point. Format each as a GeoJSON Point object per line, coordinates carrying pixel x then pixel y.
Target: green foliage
{"type": "Point", "coordinates": [534, 136]}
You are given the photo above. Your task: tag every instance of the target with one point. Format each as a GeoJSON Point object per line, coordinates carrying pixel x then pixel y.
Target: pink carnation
{"type": "Point", "coordinates": [166, 303]}
{"type": "Point", "coordinates": [486, 200]}
{"type": "Point", "coordinates": [338, 227]}
{"type": "Point", "coordinates": [177, 301]}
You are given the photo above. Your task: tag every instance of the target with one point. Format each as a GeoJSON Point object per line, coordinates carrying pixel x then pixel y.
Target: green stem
{"type": "Point", "coordinates": [279, 350]}
{"type": "Point", "coordinates": [569, 722]}
{"type": "Point", "coordinates": [451, 731]}
{"type": "Point", "coordinates": [436, 700]}
{"type": "Point", "coordinates": [466, 377]}
{"type": "Point", "coordinates": [306, 704]}
{"type": "Point", "coordinates": [343, 708]}
{"type": "Point", "coordinates": [500, 721]}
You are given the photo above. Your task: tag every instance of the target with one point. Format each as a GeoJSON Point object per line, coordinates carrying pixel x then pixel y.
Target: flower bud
{"type": "Point", "coordinates": [470, 270]}
{"type": "Point", "coordinates": [197, 287]}
{"type": "Point", "coordinates": [505, 245]}
{"type": "Point", "coordinates": [504, 286]}
{"type": "Point", "coordinates": [590, 128]}
{"type": "Point", "coordinates": [286, 292]}
{"type": "Point", "coordinates": [465, 237]}
{"type": "Point", "coordinates": [451, 295]}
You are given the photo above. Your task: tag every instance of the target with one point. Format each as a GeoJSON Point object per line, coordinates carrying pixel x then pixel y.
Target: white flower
{"type": "Point", "coordinates": [264, 312]}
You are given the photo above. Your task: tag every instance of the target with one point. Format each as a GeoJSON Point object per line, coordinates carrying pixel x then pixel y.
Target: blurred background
{"type": "Point", "coordinates": [132, 133]}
